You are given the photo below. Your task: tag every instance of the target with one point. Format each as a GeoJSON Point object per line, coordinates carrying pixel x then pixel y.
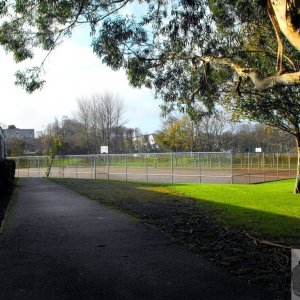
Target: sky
{"type": "Point", "coordinates": [72, 71]}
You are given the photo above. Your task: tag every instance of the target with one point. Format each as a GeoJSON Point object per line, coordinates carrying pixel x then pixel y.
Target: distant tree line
{"type": "Point", "coordinates": [99, 121]}
{"type": "Point", "coordinates": [217, 133]}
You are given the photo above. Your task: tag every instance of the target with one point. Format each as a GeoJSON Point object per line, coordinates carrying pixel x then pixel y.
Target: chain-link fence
{"type": "Point", "coordinates": [166, 167]}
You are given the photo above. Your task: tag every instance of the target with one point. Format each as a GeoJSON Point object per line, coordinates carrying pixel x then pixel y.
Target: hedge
{"type": "Point", "coordinates": [7, 174]}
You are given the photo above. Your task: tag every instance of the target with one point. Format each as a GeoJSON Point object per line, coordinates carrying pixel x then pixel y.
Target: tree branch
{"type": "Point", "coordinates": [259, 82]}
{"type": "Point", "coordinates": [285, 79]}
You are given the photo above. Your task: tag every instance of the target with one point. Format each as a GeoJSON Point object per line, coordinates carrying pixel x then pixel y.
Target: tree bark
{"type": "Point", "coordinates": [297, 183]}
{"type": "Point", "coordinates": [50, 160]}
{"type": "Point", "coordinates": [287, 15]}
{"type": "Point", "coordinates": [285, 79]}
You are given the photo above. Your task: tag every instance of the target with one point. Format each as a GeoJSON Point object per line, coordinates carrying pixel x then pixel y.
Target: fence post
{"type": "Point", "coordinates": [38, 160]}
{"type": "Point", "coordinates": [18, 164]}
{"type": "Point", "coordinates": [146, 167]}
{"type": "Point", "coordinates": [126, 166]}
{"type": "Point", "coordinates": [263, 164]}
{"type": "Point", "coordinates": [289, 164]}
{"type": "Point", "coordinates": [95, 168]}
{"type": "Point", "coordinates": [231, 162]}
{"type": "Point", "coordinates": [249, 168]}
{"type": "Point", "coordinates": [76, 167]}
{"type": "Point", "coordinates": [199, 161]}
{"type": "Point", "coordinates": [277, 163]}
{"type": "Point", "coordinates": [172, 168]}
{"type": "Point", "coordinates": [107, 155]}
{"type": "Point", "coordinates": [62, 166]}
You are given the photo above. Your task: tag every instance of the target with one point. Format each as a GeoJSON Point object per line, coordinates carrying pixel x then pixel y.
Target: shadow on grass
{"type": "Point", "coordinates": [212, 230]}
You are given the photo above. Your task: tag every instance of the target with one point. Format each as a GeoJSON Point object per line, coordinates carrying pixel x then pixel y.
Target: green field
{"type": "Point", "coordinates": [270, 210]}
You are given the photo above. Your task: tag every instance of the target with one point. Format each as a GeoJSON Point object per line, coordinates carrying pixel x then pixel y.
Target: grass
{"type": "Point", "coordinates": [268, 209]}
{"type": "Point", "coordinates": [8, 198]}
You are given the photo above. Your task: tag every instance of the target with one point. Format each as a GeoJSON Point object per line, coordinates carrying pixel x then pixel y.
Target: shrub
{"type": "Point", "coordinates": [7, 174]}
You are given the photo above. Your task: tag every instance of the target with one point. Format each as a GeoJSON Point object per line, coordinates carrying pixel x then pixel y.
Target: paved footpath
{"type": "Point", "coordinates": [57, 244]}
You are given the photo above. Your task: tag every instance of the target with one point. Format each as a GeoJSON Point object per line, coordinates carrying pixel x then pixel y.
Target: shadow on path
{"type": "Point", "coordinates": [57, 244]}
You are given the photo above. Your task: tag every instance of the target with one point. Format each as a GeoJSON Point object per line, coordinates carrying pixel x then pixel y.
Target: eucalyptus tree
{"type": "Point", "coordinates": [189, 51]}
{"type": "Point", "coordinates": [279, 108]}
{"type": "Point", "coordinates": [178, 35]}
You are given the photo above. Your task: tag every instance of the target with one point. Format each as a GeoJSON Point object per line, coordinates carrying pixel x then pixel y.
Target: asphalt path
{"type": "Point", "coordinates": [57, 244]}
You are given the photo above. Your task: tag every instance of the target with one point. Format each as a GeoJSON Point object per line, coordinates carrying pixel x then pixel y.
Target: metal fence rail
{"type": "Point", "coordinates": [166, 167]}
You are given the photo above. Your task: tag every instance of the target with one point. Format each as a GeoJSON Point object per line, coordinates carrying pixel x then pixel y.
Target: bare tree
{"type": "Point", "coordinates": [82, 115]}
{"type": "Point", "coordinates": [102, 118]}
{"type": "Point", "coordinates": [209, 131]}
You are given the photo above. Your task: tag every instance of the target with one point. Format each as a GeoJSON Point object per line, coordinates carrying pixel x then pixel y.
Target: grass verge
{"type": "Point", "coordinates": [216, 221]}
{"type": "Point", "coordinates": [6, 197]}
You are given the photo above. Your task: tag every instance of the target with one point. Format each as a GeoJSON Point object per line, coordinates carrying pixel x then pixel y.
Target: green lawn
{"type": "Point", "coordinates": [268, 209]}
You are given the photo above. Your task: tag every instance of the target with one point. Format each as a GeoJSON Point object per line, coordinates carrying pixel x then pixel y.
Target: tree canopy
{"type": "Point", "coordinates": [195, 54]}
{"type": "Point", "coordinates": [187, 50]}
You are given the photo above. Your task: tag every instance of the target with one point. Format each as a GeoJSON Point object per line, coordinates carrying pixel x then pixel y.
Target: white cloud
{"type": "Point", "coordinates": [71, 71]}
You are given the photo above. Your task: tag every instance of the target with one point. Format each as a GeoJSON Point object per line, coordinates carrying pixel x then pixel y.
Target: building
{"type": "Point", "coordinates": [145, 143]}
{"type": "Point", "coordinates": [13, 132]}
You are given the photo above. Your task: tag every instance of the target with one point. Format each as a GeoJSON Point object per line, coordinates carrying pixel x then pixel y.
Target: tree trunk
{"type": "Point", "coordinates": [287, 15]}
{"type": "Point", "coordinates": [297, 183]}
{"type": "Point", "coordinates": [50, 160]}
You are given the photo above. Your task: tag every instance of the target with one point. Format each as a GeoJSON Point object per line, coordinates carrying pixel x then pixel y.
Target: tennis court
{"type": "Point", "coordinates": [206, 167]}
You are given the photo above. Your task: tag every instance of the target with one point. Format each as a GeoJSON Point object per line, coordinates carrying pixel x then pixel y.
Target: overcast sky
{"type": "Point", "coordinates": [72, 71]}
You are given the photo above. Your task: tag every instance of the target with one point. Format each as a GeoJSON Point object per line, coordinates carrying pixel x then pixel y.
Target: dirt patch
{"type": "Point", "coordinates": [195, 226]}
